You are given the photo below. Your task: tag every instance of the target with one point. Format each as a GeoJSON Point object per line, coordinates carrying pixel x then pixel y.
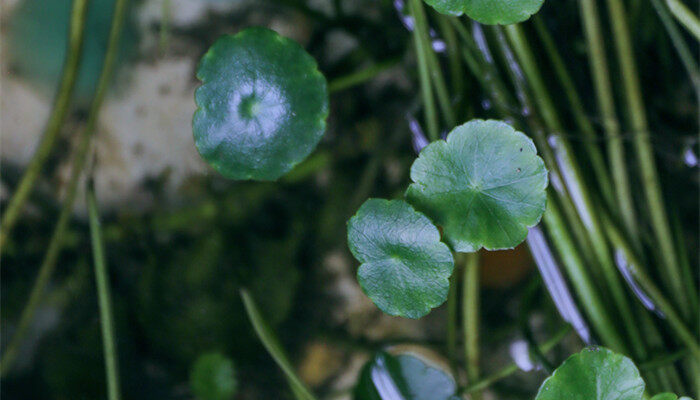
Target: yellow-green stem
{"type": "Point", "coordinates": [58, 115]}
{"type": "Point", "coordinates": [686, 17]}
{"type": "Point", "coordinates": [104, 299]}
{"type": "Point", "coordinates": [431, 118]}
{"type": "Point", "coordinates": [470, 317]}
{"type": "Point", "coordinates": [611, 124]}
{"type": "Point", "coordinates": [645, 155]}
{"type": "Point", "coordinates": [79, 160]}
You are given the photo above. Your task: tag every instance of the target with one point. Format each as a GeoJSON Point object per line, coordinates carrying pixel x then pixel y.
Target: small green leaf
{"type": "Point", "coordinates": [485, 185]}
{"type": "Point", "coordinates": [406, 377]}
{"type": "Point", "coordinates": [262, 106]}
{"type": "Point", "coordinates": [213, 377]}
{"type": "Point", "coordinates": [594, 374]}
{"type": "Point", "coordinates": [405, 268]}
{"type": "Point", "coordinates": [490, 12]}
{"type": "Point", "coordinates": [669, 396]}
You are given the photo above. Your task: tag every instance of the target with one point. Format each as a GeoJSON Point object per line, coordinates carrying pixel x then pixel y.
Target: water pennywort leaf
{"type": "Point", "coordinates": [595, 373]}
{"type": "Point", "coordinates": [484, 185]}
{"type": "Point", "coordinates": [262, 106]}
{"type": "Point", "coordinates": [404, 376]}
{"type": "Point", "coordinates": [490, 12]}
{"type": "Point", "coordinates": [213, 377]}
{"type": "Point", "coordinates": [405, 268]}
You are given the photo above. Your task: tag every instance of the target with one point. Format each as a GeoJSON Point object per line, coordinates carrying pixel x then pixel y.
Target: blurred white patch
{"type": "Point", "coordinates": [146, 132]}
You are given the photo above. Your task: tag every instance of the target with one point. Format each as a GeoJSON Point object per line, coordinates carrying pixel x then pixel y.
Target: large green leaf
{"type": "Point", "coordinates": [213, 377]}
{"type": "Point", "coordinates": [485, 185]}
{"type": "Point", "coordinates": [405, 377]}
{"type": "Point", "coordinates": [491, 12]}
{"type": "Point", "coordinates": [262, 106]}
{"type": "Point", "coordinates": [594, 374]}
{"type": "Point", "coordinates": [405, 268]}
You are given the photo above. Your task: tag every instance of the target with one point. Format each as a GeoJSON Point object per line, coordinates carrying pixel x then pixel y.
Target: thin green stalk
{"type": "Point", "coordinates": [686, 17]}
{"type": "Point", "coordinates": [513, 368]}
{"type": "Point", "coordinates": [452, 321]}
{"type": "Point", "coordinates": [573, 179]}
{"type": "Point", "coordinates": [645, 155]}
{"type": "Point", "coordinates": [455, 59]}
{"type": "Point", "coordinates": [104, 298]}
{"type": "Point", "coordinates": [79, 160]}
{"type": "Point", "coordinates": [441, 91]}
{"type": "Point", "coordinates": [586, 292]}
{"type": "Point", "coordinates": [431, 118]}
{"type": "Point", "coordinates": [611, 124]}
{"type": "Point", "coordinates": [484, 72]}
{"type": "Point", "coordinates": [582, 121]}
{"type": "Point", "coordinates": [681, 331]}
{"type": "Point", "coordinates": [268, 339]}
{"type": "Point", "coordinates": [686, 56]}
{"type": "Point", "coordinates": [56, 119]}
{"type": "Point", "coordinates": [361, 76]}
{"type": "Point", "coordinates": [470, 310]}
{"type": "Point", "coordinates": [164, 32]}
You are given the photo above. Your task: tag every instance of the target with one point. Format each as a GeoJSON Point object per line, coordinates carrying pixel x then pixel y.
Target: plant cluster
{"type": "Point", "coordinates": [262, 109]}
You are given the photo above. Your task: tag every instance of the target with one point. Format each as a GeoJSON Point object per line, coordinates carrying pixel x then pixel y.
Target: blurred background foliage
{"type": "Point", "coordinates": [179, 257]}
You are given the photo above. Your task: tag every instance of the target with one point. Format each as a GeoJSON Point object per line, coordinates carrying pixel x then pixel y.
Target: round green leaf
{"type": "Point", "coordinates": [262, 106]}
{"type": "Point", "coordinates": [485, 185]}
{"type": "Point", "coordinates": [405, 268]}
{"type": "Point", "coordinates": [407, 377]}
{"type": "Point", "coordinates": [213, 377]}
{"type": "Point", "coordinates": [594, 374]}
{"type": "Point", "coordinates": [491, 12]}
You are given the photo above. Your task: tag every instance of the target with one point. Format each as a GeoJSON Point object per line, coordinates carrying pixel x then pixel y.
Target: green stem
{"type": "Point", "coordinates": [682, 332]}
{"type": "Point", "coordinates": [452, 321]}
{"type": "Point", "coordinates": [56, 119]}
{"type": "Point", "coordinates": [573, 179]}
{"type": "Point", "coordinates": [606, 105]}
{"type": "Point", "coordinates": [418, 13]}
{"type": "Point", "coordinates": [361, 76]}
{"type": "Point", "coordinates": [686, 17]}
{"type": "Point", "coordinates": [274, 348]}
{"type": "Point", "coordinates": [455, 60]}
{"type": "Point", "coordinates": [687, 57]}
{"type": "Point", "coordinates": [588, 295]}
{"type": "Point", "coordinates": [104, 298]}
{"type": "Point", "coordinates": [470, 310]}
{"type": "Point", "coordinates": [645, 155]}
{"type": "Point", "coordinates": [56, 242]}
{"type": "Point", "coordinates": [582, 121]}
{"type": "Point", "coordinates": [513, 368]}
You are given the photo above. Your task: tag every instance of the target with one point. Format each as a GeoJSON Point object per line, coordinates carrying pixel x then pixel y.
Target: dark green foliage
{"type": "Point", "coordinates": [405, 268]}
{"type": "Point", "coordinates": [262, 106]}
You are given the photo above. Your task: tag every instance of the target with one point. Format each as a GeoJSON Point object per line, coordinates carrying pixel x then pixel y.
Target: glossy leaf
{"type": "Point", "coordinates": [213, 377]}
{"type": "Point", "coordinates": [484, 186]}
{"type": "Point", "coordinates": [405, 376]}
{"type": "Point", "coordinates": [262, 106]}
{"type": "Point", "coordinates": [405, 268]}
{"type": "Point", "coordinates": [594, 374]}
{"type": "Point", "coordinates": [491, 12]}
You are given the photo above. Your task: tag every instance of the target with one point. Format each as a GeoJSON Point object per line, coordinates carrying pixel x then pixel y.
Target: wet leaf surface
{"type": "Point", "coordinates": [405, 268]}
{"type": "Point", "coordinates": [262, 106]}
